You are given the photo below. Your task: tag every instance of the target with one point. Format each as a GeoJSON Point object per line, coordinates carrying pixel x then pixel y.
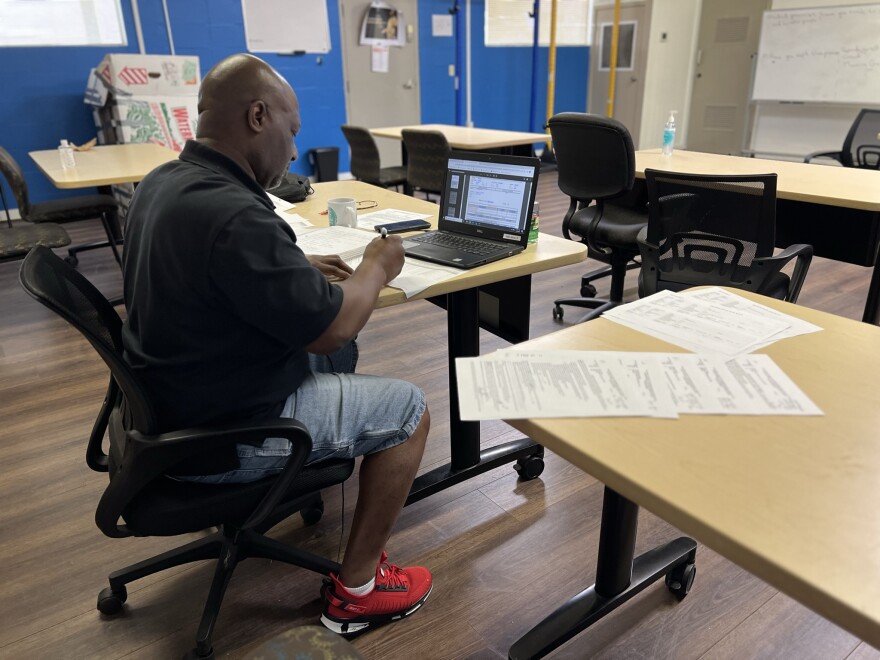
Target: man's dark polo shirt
{"type": "Point", "coordinates": [221, 302]}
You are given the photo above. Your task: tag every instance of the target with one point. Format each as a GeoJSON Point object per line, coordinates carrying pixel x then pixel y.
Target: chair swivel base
{"type": "Point", "coordinates": [598, 305]}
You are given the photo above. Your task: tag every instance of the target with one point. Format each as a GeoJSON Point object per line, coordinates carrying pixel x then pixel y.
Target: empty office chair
{"type": "Point", "coordinates": [68, 209]}
{"type": "Point", "coordinates": [141, 501]}
{"type": "Point", "coordinates": [19, 237]}
{"type": "Point", "coordinates": [597, 163]}
{"type": "Point", "coordinates": [365, 163]}
{"type": "Point", "coordinates": [427, 154]}
{"type": "Point", "coordinates": [861, 148]}
{"type": "Point", "coordinates": [716, 230]}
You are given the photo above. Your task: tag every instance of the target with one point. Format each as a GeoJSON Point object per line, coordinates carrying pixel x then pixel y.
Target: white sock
{"type": "Point", "coordinates": [361, 591]}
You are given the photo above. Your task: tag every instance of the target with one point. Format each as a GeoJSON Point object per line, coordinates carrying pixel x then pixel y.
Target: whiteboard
{"type": "Point", "coordinates": [821, 54]}
{"type": "Point", "coordinates": [62, 23]}
{"type": "Point", "coordinates": [286, 26]}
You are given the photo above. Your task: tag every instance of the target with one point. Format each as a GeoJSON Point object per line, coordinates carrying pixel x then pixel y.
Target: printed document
{"type": "Point", "coordinates": [387, 216]}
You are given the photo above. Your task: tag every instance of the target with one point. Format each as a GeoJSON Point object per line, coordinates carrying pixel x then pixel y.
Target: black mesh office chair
{"type": "Point", "coordinates": [716, 230]}
{"type": "Point", "coordinates": [861, 148]}
{"type": "Point", "coordinates": [427, 154]}
{"type": "Point", "coordinates": [18, 237]}
{"type": "Point", "coordinates": [597, 163]}
{"type": "Point", "coordinates": [59, 211]}
{"type": "Point", "coordinates": [365, 162]}
{"type": "Point", "coordinates": [141, 501]}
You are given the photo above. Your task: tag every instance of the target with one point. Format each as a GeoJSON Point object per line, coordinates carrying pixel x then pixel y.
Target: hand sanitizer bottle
{"type": "Point", "coordinates": [65, 152]}
{"type": "Point", "coordinates": [669, 134]}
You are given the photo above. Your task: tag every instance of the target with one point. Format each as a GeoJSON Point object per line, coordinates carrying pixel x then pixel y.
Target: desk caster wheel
{"type": "Point", "coordinates": [529, 467]}
{"type": "Point", "coordinates": [588, 291]}
{"type": "Point", "coordinates": [680, 580]}
{"type": "Point", "coordinates": [557, 313]}
{"type": "Point", "coordinates": [110, 602]}
{"type": "Point", "coordinates": [312, 514]}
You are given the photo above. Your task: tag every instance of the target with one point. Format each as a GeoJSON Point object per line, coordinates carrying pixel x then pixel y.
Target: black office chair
{"type": "Point", "coordinates": [597, 163]}
{"type": "Point", "coordinates": [716, 230]}
{"type": "Point", "coordinates": [861, 148]}
{"type": "Point", "coordinates": [19, 237]}
{"type": "Point", "coordinates": [68, 209]}
{"type": "Point", "coordinates": [141, 501]}
{"type": "Point", "coordinates": [365, 162]}
{"type": "Point", "coordinates": [427, 154]}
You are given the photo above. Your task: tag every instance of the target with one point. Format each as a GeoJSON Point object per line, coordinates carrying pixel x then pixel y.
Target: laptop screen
{"type": "Point", "coordinates": [489, 195]}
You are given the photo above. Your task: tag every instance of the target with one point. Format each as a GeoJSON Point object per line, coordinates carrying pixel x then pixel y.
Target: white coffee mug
{"type": "Point", "coordinates": [342, 211]}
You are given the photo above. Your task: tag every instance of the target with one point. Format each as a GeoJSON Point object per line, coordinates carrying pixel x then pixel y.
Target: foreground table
{"type": "Point", "coordinates": [834, 209]}
{"type": "Point", "coordinates": [495, 297]}
{"type": "Point", "coordinates": [790, 499]}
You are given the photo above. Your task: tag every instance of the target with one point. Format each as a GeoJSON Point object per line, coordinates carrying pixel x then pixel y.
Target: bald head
{"type": "Point", "coordinates": [250, 113]}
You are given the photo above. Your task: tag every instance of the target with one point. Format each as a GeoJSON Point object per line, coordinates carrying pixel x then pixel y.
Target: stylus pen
{"type": "Point", "coordinates": [384, 232]}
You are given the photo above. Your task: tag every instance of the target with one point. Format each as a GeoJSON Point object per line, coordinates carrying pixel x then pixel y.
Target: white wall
{"type": "Point", "coordinates": [799, 4]}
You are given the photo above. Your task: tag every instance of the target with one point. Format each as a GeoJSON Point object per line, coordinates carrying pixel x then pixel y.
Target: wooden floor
{"type": "Point", "coordinates": [503, 553]}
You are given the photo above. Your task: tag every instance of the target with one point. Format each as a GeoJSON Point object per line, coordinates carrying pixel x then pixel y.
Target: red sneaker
{"type": "Point", "coordinates": [399, 592]}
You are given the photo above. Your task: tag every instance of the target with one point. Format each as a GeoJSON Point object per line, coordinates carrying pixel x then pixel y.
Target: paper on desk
{"type": "Point", "coordinates": [385, 216]}
{"type": "Point", "coordinates": [349, 243]}
{"type": "Point", "coordinates": [698, 325]}
{"type": "Point", "coordinates": [280, 204]}
{"type": "Point", "coordinates": [295, 220]}
{"type": "Point", "coordinates": [513, 384]}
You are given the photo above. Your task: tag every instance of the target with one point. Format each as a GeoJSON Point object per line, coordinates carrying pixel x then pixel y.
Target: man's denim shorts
{"type": "Point", "coordinates": [347, 415]}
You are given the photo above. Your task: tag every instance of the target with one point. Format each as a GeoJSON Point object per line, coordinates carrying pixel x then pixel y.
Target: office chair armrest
{"type": "Point", "coordinates": [835, 155]}
{"type": "Point", "coordinates": [772, 265]}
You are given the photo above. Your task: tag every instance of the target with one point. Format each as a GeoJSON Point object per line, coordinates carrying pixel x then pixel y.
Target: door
{"type": "Point", "coordinates": [373, 97]}
{"type": "Point", "coordinates": [726, 47]}
{"type": "Point", "coordinates": [629, 86]}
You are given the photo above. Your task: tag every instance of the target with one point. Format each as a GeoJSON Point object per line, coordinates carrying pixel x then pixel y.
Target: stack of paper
{"type": "Point", "coordinates": [709, 321]}
{"type": "Point", "coordinates": [513, 384]}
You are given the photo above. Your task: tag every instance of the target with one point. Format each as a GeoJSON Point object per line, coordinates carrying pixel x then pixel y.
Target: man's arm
{"type": "Point", "coordinates": [383, 260]}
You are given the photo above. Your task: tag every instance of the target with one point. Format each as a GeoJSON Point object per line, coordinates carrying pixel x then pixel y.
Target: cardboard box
{"type": "Point", "coordinates": [169, 121]}
{"type": "Point", "coordinates": [148, 75]}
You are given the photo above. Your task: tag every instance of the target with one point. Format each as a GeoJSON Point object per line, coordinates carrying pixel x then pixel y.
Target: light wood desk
{"type": "Point", "coordinates": [103, 165]}
{"type": "Point", "coordinates": [462, 137]}
{"type": "Point", "coordinates": [495, 297]}
{"type": "Point", "coordinates": [792, 500]}
{"type": "Point", "coordinates": [834, 209]}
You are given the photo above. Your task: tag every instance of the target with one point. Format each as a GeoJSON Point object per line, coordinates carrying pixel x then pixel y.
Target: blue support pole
{"type": "Point", "coordinates": [458, 31]}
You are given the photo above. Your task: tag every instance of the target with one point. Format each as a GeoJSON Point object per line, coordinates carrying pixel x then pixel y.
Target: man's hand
{"type": "Point", "coordinates": [387, 253]}
{"type": "Point", "coordinates": [331, 265]}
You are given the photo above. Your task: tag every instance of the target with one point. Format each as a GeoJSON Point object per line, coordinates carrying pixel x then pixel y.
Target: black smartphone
{"type": "Point", "coordinates": [406, 225]}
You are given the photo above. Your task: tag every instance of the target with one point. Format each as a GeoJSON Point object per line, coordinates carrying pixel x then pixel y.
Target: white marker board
{"type": "Point", "coordinates": [286, 26]}
{"type": "Point", "coordinates": [826, 54]}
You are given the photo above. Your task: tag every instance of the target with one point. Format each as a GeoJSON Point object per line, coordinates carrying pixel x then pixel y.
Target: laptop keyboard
{"type": "Point", "coordinates": [461, 243]}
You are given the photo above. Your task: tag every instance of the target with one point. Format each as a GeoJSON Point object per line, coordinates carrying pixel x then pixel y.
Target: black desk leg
{"type": "Point", "coordinates": [463, 321]}
{"type": "Point", "coordinates": [619, 577]}
{"type": "Point", "coordinates": [872, 304]}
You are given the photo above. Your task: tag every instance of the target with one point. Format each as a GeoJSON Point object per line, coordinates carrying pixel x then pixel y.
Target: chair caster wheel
{"type": "Point", "coordinates": [529, 467]}
{"type": "Point", "coordinates": [110, 602]}
{"type": "Point", "coordinates": [72, 259]}
{"type": "Point", "coordinates": [557, 313]}
{"type": "Point", "coordinates": [194, 655]}
{"type": "Point", "coordinates": [312, 514]}
{"type": "Point", "coordinates": [588, 291]}
{"type": "Point", "coordinates": [680, 579]}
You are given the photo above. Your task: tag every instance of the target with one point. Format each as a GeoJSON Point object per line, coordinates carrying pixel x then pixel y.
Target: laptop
{"type": "Point", "coordinates": [485, 210]}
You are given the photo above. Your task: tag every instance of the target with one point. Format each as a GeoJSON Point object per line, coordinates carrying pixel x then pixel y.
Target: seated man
{"type": "Point", "coordinates": [224, 310]}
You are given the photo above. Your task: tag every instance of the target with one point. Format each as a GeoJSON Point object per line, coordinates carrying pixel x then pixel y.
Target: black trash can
{"type": "Point", "coordinates": [325, 163]}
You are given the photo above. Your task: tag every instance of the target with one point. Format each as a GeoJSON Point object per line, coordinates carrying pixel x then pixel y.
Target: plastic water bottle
{"type": "Point", "coordinates": [669, 134]}
{"type": "Point", "coordinates": [65, 152]}
{"type": "Point", "coordinates": [536, 221]}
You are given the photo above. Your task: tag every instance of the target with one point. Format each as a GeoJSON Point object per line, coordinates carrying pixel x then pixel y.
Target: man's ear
{"type": "Point", "coordinates": [257, 115]}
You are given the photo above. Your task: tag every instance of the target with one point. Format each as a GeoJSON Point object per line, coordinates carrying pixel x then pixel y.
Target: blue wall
{"type": "Point", "coordinates": [43, 87]}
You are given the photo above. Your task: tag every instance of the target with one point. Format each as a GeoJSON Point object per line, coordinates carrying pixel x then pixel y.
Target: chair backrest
{"type": "Point", "coordinates": [711, 226]}
{"type": "Point", "coordinates": [594, 154]}
{"type": "Point", "coordinates": [61, 288]}
{"type": "Point", "coordinates": [365, 162]}
{"type": "Point", "coordinates": [861, 148]}
{"type": "Point", "coordinates": [14, 177]}
{"type": "Point", "coordinates": [427, 154]}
